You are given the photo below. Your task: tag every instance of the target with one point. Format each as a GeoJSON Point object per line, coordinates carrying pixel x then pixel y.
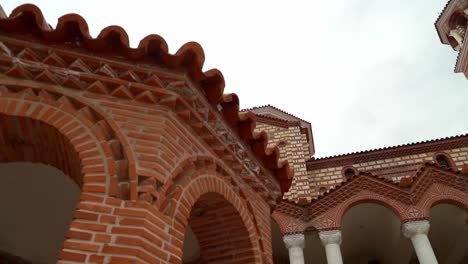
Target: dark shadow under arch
{"type": "Point", "coordinates": [37, 204]}
{"type": "Point", "coordinates": [371, 232]}
{"type": "Point", "coordinates": [220, 231]}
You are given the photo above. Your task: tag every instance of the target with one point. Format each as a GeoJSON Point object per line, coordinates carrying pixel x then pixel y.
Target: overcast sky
{"type": "Point", "coordinates": [365, 73]}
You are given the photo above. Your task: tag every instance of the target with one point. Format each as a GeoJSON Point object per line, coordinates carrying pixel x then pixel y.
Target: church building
{"type": "Point", "coordinates": [113, 154]}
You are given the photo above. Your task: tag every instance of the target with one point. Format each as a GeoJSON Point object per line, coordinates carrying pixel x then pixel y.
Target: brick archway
{"type": "Point", "coordinates": [332, 219]}
{"type": "Point", "coordinates": [38, 130]}
{"type": "Point", "coordinates": [411, 199]}
{"type": "Point", "coordinates": [439, 194]}
{"type": "Point", "coordinates": [368, 197]}
{"type": "Point", "coordinates": [80, 151]}
{"type": "Point", "coordinates": [235, 235]}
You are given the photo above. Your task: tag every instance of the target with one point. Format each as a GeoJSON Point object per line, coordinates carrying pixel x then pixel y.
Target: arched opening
{"type": "Point", "coordinates": [448, 233]}
{"type": "Point", "coordinates": [216, 228]}
{"type": "Point", "coordinates": [348, 172]}
{"type": "Point", "coordinates": [37, 203]}
{"type": "Point", "coordinates": [371, 234]}
{"type": "Point", "coordinates": [40, 182]}
{"type": "Point", "coordinates": [444, 160]}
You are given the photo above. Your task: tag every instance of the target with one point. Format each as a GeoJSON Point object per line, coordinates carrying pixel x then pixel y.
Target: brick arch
{"type": "Point", "coordinates": [333, 218]}
{"type": "Point", "coordinates": [76, 140]}
{"type": "Point", "coordinates": [235, 238]}
{"type": "Point", "coordinates": [374, 200]}
{"type": "Point", "coordinates": [438, 194]}
{"type": "Point", "coordinates": [187, 168]}
{"type": "Point", "coordinates": [122, 163]}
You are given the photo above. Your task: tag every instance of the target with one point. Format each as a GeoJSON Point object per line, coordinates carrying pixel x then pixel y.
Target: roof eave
{"type": "Point", "coordinates": [462, 60]}
{"type": "Point", "coordinates": [442, 19]}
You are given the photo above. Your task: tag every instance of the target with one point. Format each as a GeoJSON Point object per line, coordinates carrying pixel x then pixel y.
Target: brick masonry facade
{"type": "Point", "coordinates": [155, 146]}
{"type": "Point", "coordinates": [167, 166]}
{"type": "Point", "coordinates": [294, 147]}
{"type": "Point", "coordinates": [407, 179]}
{"type": "Point", "coordinates": [150, 139]}
{"type": "Point", "coordinates": [394, 169]}
{"type": "Point", "coordinates": [315, 176]}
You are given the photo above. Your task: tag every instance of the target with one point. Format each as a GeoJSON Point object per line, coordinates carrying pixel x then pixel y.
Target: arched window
{"type": "Point", "coordinates": [444, 160]}
{"type": "Point", "coordinates": [322, 190]}
{"type": "Point", "coordinates": [349, 172]}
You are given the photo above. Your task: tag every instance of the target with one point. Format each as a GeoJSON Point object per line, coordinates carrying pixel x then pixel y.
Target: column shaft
{"type": "Point", "coordinates": [423, 249]}
{"type": "Point", "coordinates": [331, 240]}
{"type": "Point", "coordinates": [296, 255]}
{"type": "Point", "coordinates": [417, 232]}
{"type": "Point", "coordinates": [333, 254]}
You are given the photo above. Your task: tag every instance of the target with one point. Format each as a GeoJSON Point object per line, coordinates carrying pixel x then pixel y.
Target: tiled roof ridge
{"type": "Point", "coordinates": [440, 16]}
{"type": "Point", "coordinates": [457, 68]}
{"type": "Point", "coordinates": [274, 107]}
{"type": "Point", "coordinates": [390, 147]}
{"type": "Point", "coordinates": [443, 10]}
{"type": "Point", "coordinates": [275, 120]}
{"type": "Point", "coordinates": [72, 30]}
{"type": "Point", "coordinates": [408, 181]}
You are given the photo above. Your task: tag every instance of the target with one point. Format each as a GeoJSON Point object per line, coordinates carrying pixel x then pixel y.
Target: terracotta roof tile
{"type": "Point", "coordinates": [304, 123]}
{"type": "Point", "coordinates": [439, 17]}
{"type": "Point", "coordinates": [274, 107]}
{"type": "Point", "coordinates": [27, 22]}
{"type": "Point", "coordinates": [366, 153]}
{"type": "Point", "coordinates": [408, 181]}
{"type": "Point", "coordinates": [276, 121]}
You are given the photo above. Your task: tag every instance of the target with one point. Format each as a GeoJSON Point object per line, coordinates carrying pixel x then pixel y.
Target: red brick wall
{"type": "Point", "coordinates": [142, 168]}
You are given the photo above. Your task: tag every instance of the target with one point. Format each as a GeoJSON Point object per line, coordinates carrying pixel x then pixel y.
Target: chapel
{"type": "Point", "coordinates": [114, 154]}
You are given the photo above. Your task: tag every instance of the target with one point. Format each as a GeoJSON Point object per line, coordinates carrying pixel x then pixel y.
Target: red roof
{"type": "Point", "coordinates": [275, 112]}
{"type": "Point", "coordinates": [27, 22]}
{"type": "Point", "coordinates": [389, 152]}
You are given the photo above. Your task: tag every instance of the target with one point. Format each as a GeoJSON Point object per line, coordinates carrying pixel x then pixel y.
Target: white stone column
{"type": "Point", "coordinates": [295, 244]}
{"type": "Point", "coordinates": [457, 36]}
{"type": "Point", "coordinates": [331, 240]}
{"type": "Point", "coordinates": [417, 232]}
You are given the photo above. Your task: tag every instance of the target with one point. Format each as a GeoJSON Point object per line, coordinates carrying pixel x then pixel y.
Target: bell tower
{"type": "Point", "coordinates": [451, 26]}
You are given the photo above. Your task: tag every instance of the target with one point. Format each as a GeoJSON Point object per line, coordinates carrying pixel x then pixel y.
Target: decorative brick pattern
{"type": "Point", "coordinates": [75, 146]}
{"type": "Point", "coordinates": [150, 139]}
{"type": "Point", "coordinates": [294, 147]}
{"type": "Point", "coordinates": [394, 169]}
{"type": "Point", "coordinates": [410, 200]}
{"type": "Point", "coordinates": [177, 111]}
{"type": "Point", "coordinates": [109, 229]}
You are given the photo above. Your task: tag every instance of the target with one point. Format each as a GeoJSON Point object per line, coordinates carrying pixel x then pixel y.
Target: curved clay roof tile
{"type": "Point", "coordinates": [27, 21]}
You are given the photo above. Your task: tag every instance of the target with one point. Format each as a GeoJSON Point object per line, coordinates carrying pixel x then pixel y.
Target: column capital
{"type": "Point", "coordinates": [294, 240]}
{"type": "Point", "coordinates": [415, 227]}
{"type": "Point", "coordinates": [330, 237]}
